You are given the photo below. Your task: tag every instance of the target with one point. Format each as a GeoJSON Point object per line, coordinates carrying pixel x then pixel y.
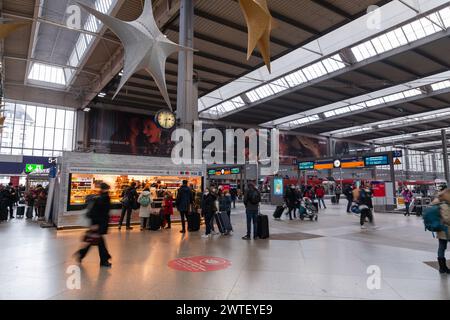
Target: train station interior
{"type": "Point", "coordinates": [224, 150]}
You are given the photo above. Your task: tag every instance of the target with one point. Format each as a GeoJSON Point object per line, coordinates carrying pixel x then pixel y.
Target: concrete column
{"type": "Point", "coordinates": [392, 173]}
{"type": "Point", "coordinates": [81, 130]}
{"type": "Point", "coordinates": [434, 166]}
{"type": "Point", "coordinates": [445, 155]}
{"type": "Point", "coordinates": [373, 170]}
{"type": "Point", "coordinates": [187, 110]}
{"type": "Point", "coordinates": [407, 164]}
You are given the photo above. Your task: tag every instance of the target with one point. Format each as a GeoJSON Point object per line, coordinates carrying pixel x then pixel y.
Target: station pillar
{"type": "Point", "coordinates": [445, 155]}
{"type": "Point", "coordinates": [187, 94]}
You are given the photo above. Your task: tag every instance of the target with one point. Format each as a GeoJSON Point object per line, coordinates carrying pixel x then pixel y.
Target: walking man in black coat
{"type": "Point", "coordinates": [183, 203]}
{"type": "Point", "coordinates": [99, 216]}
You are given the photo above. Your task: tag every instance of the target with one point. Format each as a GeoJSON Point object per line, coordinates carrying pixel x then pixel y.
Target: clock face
{"type": "Point", "coordinates": [337, 163]}
{"type": "Point", "coordinates": [165, 119]}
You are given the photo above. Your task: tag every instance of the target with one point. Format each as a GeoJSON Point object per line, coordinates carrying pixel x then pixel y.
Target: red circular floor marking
{"type": "Point", "coordinates": [199, 264]}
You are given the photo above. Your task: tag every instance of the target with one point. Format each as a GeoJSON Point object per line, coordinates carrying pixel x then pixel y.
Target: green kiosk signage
{"type": "Point", "coordinates": [33, 167]}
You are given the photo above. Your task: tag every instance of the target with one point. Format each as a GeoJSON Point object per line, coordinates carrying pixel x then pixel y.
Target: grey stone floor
{"type": "Point", "coordinates": [34, 262]}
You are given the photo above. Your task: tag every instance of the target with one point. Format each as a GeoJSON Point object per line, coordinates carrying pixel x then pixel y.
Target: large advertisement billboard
{"type": "Point", "coordinates": [127, 133]}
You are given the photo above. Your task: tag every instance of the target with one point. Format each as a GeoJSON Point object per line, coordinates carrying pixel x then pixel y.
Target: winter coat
{"type": "Point", "coordinates": [338, 191]}
{"type": "Point", "coordinates": [100, 212]}
{"type": "Point", "coordinates": [184, 199]}
{"type": "Point", "coordinates": [168, 206]}
{"type": "Point", "coordinates": [407, 196]}
{"type": "Point", "coordinates": [208, 204]}
{"type": "Point", "coordinates": [444, 198]}
{"type": "Point", "coordinates": [225, 203]}
{"type": "Point", "coordinates": [291, 198]}
{"type": "Point", "coordinates": [247, 202]}
{"type": "Point", "coordinates": [320, 192]}
{"type": "Point", "coordinates": [144, 212]}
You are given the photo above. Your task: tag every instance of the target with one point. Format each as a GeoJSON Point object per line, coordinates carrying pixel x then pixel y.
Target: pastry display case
{"type": "Point", "coordinates": [83, 185]}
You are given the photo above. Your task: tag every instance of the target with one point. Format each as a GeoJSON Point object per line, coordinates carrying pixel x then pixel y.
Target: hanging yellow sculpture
{"type": "Point", "coordinates": [8, 28]}
{"type": "Point", "coordinates": [259, 24]}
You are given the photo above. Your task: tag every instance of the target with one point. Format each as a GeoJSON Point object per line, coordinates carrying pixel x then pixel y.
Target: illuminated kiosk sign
{"type": "Point", "coordinates": [306, 165]}
{"type": "Point", "coordinates": [224, 171]}
{"type": "Point", "coordinates": [376, 161]}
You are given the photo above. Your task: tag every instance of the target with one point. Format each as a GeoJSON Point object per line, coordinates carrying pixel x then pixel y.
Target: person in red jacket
{"type": "Point", "coordinates": [168, 209]}
{"type": "Point", "coordinates": [320, 193]}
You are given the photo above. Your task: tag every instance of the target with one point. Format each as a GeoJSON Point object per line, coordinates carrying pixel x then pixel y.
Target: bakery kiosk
{"type": "Point", "coordinates": [81, 174]}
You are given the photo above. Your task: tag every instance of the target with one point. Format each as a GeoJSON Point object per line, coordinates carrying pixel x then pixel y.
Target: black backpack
{"type": "Point", "coordinates": [254, 197]}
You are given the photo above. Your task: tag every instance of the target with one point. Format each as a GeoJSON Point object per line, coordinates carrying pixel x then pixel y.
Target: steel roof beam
{"type": "Point", "coordinates": [235, 26]}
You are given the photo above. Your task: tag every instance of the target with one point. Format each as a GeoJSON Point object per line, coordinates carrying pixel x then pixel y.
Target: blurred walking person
{"type": "Point", "coordinates": [98, 213]}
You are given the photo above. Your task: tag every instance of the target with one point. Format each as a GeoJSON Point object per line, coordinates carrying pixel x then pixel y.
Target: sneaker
{"type": "Point", "coordinates": [246, 238]}
{"type": "Point", "coordinates": [206, 236]}
{"type": "Point", "coordinates": [142, 229]}
{"type": "Point", "coordinates": [119, 228]}
{"type": "Point", "coordinates": [215, 233]}
{"type": "Point", "coordinates": [363, 227]}
{"type": "Point", "coordinates": [374, 227]}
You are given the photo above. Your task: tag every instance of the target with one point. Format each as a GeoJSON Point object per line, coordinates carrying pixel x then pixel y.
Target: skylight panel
{"type": "Point", "coordinates": [355, 107]}
{"type": "Point", "coordinates": [441, 85]}
{"type": "Point", "coordinates": [296, 78]}
{"type": "Point", "coordinates": [264, 91]}
{"type": "Point", "coordinates": [364, 51]}
{"type": "Point", "coordinates": [47, 73]}
{"type": "Point", "coordinates": [252, 96]}
{"type": "Point", "coordinates": [412, 93]}
{"type": "Point", "coordinates": [334, 63]}
{"type": "Point", "coordinates": [445, 16]}
{"type": "Point", "coordinates": [374, 102]}
{"type": "Point", "coordinates": [342, 110]}
{"type": "Point", "coordinates": [315, 71]}
{"type": "Point", "coordinates": [279, 85]}
{"type": "Point", "coordinates": [329, 114]}
{"type": "Point", "coordinates": [394, 97]}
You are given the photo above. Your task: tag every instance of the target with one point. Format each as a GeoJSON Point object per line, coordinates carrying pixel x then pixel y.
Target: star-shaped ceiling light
{"type": "Point", "coordinates": [8, 28]}
{"type": "Point", "coordinates": [146, 48]}
{"type": "Point", "coordinates": [259, 24]}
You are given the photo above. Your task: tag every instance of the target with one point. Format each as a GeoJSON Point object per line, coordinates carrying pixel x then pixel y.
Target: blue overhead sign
{"type": "Point", "coordinates": [397, 154]}
{"type": "Point", "coordinates": [306, 165]}
{"type": "Point", "coordinates": [382, 160]}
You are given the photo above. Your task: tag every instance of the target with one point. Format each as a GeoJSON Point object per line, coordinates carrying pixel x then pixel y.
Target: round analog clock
{"type": "Point", "coordinates": [165, 119]}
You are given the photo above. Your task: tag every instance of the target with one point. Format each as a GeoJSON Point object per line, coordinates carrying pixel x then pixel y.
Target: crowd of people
{"type": "Point", "coordinates": [214, 200]}
{"type": "Point", "coordinates": [12, 198]}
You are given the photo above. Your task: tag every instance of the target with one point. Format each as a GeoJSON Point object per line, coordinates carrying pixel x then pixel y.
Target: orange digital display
{"type": "Point", "coordinates": [354, 164]}
{"type": "Point", "coordinates": [323, 166]}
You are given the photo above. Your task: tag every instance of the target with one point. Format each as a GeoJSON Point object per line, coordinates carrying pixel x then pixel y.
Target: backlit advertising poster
{"type": "Point", "coordinates": [127, 133]}
{"type": "Point", "coordinates": [379, 189]}
{"type": "Point", "coordinates": [278, 187]}
{"type": "Point", "coordinates": [293, 147]}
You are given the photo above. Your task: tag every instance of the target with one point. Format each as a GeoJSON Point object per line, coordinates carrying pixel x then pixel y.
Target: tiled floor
{"type": "Point", "coordinates": [34, 262]}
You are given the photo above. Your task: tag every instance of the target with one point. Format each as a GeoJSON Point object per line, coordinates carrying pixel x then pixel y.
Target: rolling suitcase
{"type": "Point", "coordinates": [223, 222]}
{"type": "Point", "coordinates": [278, 212]}
{"type": "Point", "coordinates": [155, 222]}
{"type": "Point", "coordinates": [333, 200]}
{"type": "Point", "coordinates": [262, 226]}
{"type": "Point", "coordinates": [193, 220]}
{"type": "Point", "coordinates": [20, 212]}
{"type": "Point", "coordinates": [29, 212]}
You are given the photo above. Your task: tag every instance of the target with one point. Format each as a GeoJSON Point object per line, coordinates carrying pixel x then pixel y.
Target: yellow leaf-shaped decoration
{"type": "Point", "coordinates": [259, 25]}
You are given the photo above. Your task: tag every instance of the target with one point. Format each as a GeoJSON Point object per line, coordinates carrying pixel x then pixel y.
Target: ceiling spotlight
{"type": "Point", "coordinates": [87, 109]}
{"type": "Point", "coordinates": [102, 95]}
{"type": "Point", "coordinates": [121, 73]}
